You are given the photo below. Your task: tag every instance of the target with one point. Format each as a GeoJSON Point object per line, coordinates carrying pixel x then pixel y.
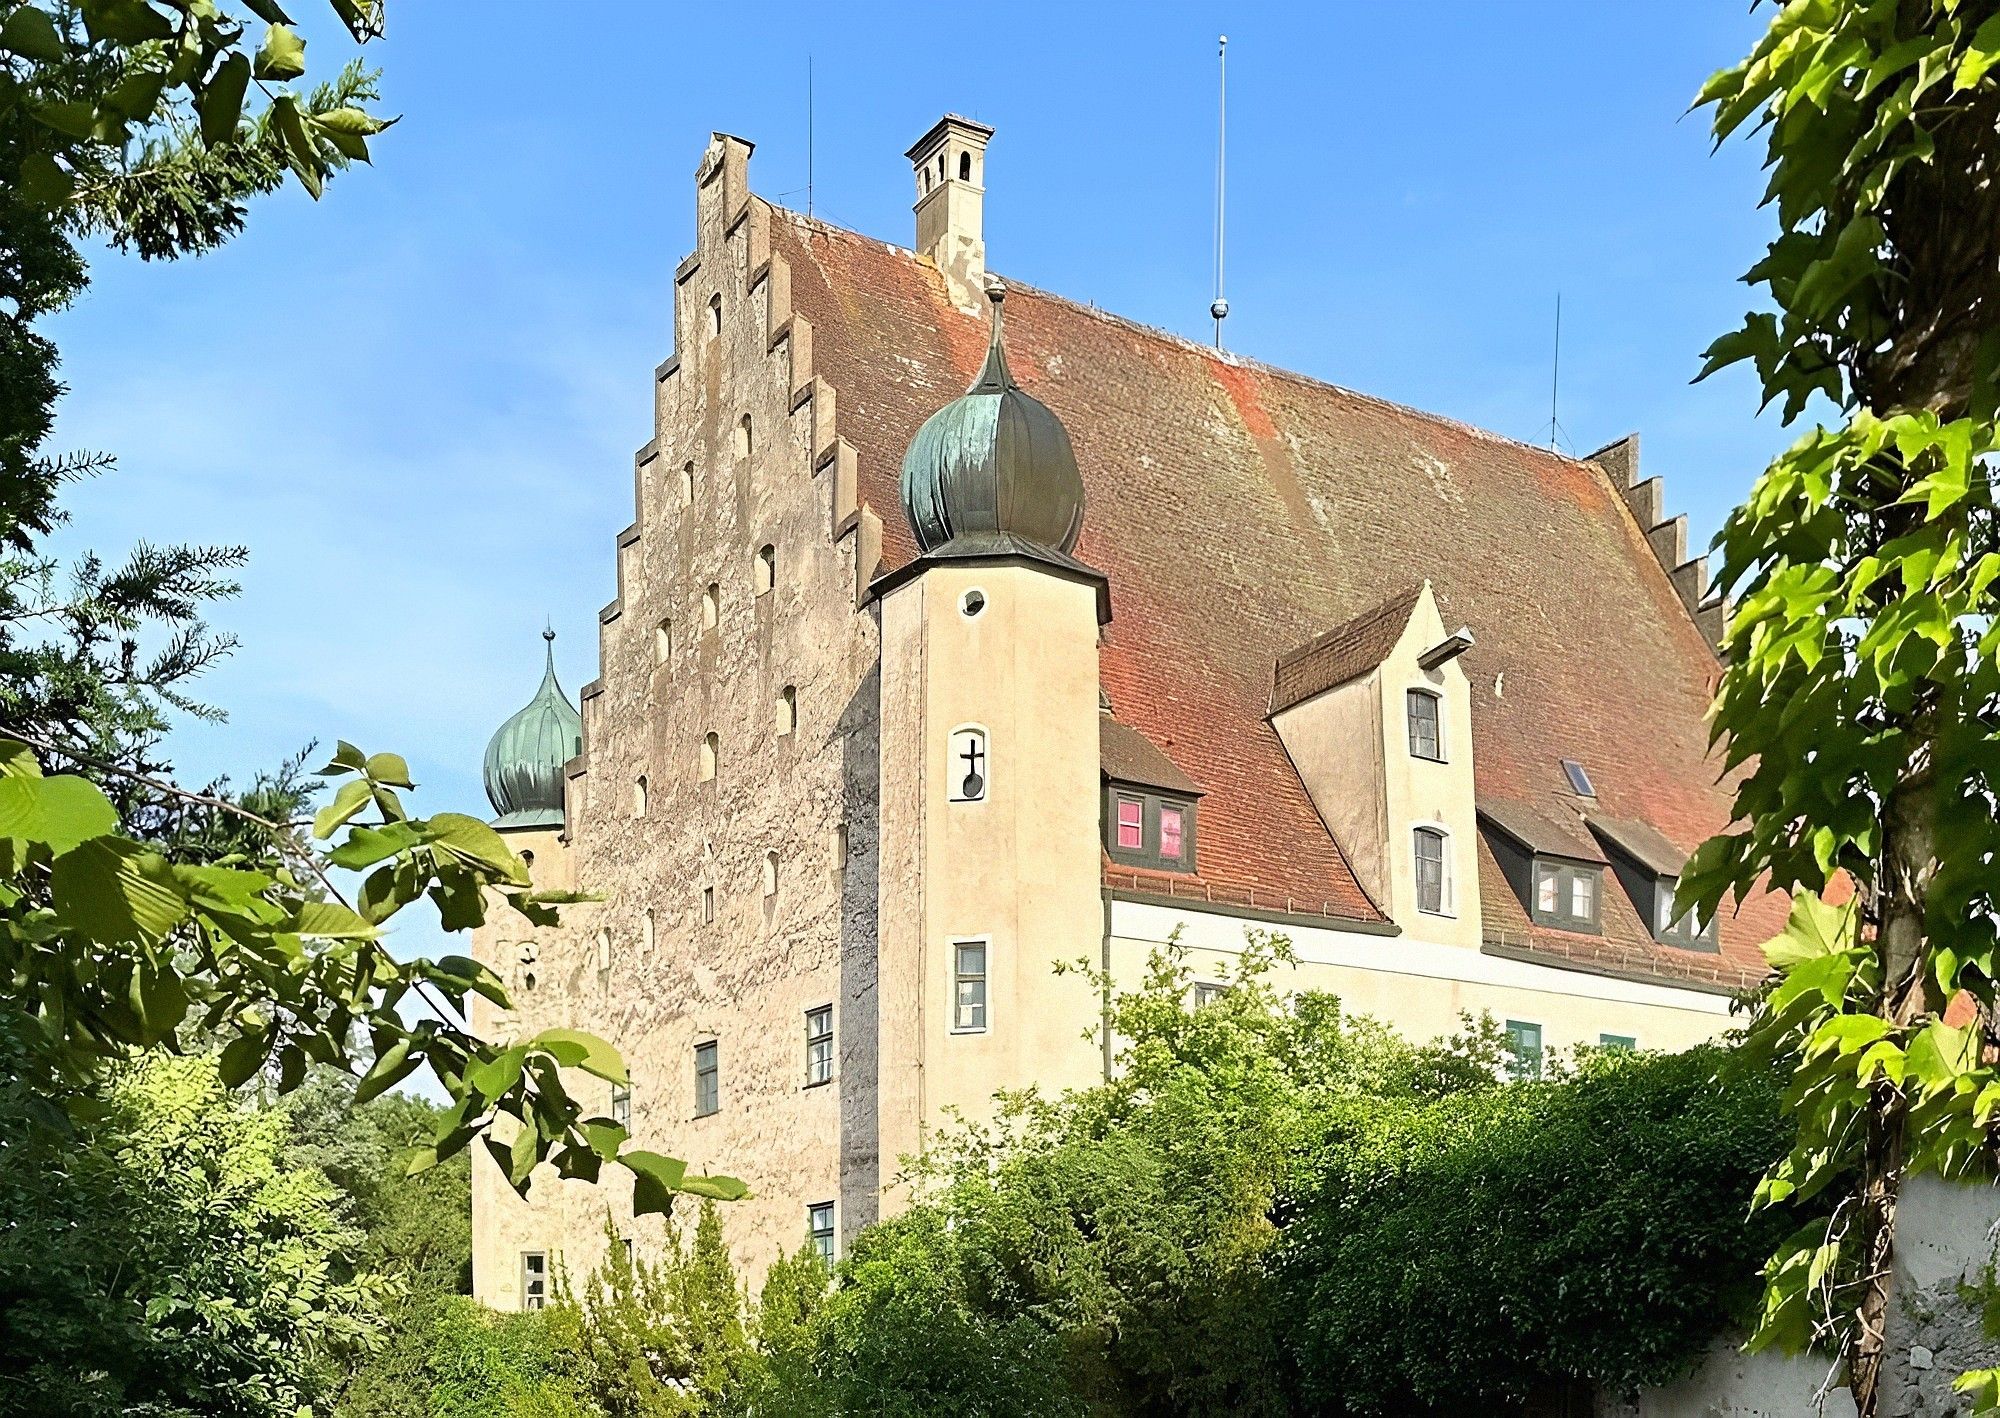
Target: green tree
{"type": "Point", "coordinates": [1858, 698]}
{"type": "Point", "coordinates": [165, 1259]}
{"type": "Point", "coordinates": [150, 126]}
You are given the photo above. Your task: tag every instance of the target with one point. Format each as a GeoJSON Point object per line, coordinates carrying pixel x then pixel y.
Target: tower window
{"type": "Point", "coordinates": [968, 987]}
{"type": "Point", "coordinates": [710, 747]}
{"type": "Point", "coordinates": [534, 1279]}
{"type": "Point", "coordinates": [743, 437]}
{"type": "Point", "coordinates": [715, 314]}
{"type": "Point", "coordinates": [965, 167]}
{"type": "Point", "coordinates": [707, 1080]}
{"type": "Point", "coordinates": [663, 641]}
{"type": "Point", "coordinates": [639, 796]}
{"type": "Point", "coordinates": [707, 905]}
{"type": "Point", "coordinates": [788, 709]}
{"type": "Point", "coordinates": [603, 951]}
{"type": "Point", "coordinates": [940, 167]}
{"type": "Point", "coordinates": [1426, 734]}
{"type": "Point", "coordinates": [711, 605]}
{"type": "Point", "coordinates": [819, 1045]}
{"type": "Point", "coordinates": [621, 1105]}
{"type": "Point", "coordinates": [819, 1230]}
{"type": "Point", "coordinates": [1433, 871]}
{"type": "Point", "coordinates": [770, 874]}
{"type": "Point", "coordinates": [648, 929]}
{"type": "Point", "coordinates": [968, 773]}
{"type": "Point", "coordinates": [687, 483]}
{"type": "Point", "coordinates": [764, 571]}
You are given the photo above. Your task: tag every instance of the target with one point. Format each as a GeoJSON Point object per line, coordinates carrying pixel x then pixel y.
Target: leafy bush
{"type": "Point", "coordinates": [163, 1259]}
{"type": "Point", "coordinates": [1462, 1253]}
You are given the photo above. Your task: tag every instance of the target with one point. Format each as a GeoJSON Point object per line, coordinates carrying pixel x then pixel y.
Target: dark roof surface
{"type": "Point", "coordinates": [1641, 843]}
{"type": "Point", "coordinates": [1343, 653]}
{"type": "Point", "coordinates": [1556, 833]}
{"type": "Point", "coordinates": [1128, 756]}
{"type": "Point", "coordinates": [1240, 511]}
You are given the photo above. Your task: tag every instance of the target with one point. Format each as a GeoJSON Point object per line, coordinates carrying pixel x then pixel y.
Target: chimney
{"type": "Point", "coordinates": [949, 163]}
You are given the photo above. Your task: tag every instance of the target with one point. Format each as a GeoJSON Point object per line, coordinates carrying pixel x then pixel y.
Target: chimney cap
{"type": "Point", "coordinates": [937, 130]}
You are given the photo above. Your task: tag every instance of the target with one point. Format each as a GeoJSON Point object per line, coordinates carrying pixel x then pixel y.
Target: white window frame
{"type": "Point", "coordinates": [1410, 695]}
{"type": "Point", "coordinates": [621, 1105]}
{"type": "Point", "coordinates": [813, 1065]}
{"type": "Point", "coordinates": [1448, 879]}
{"type": "Point", "coordinates": [531, 1298]}
{"type": "Point", "coordinates": [985, 978]}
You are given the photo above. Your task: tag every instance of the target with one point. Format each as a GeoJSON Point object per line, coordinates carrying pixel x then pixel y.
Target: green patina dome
{"type": "Point", "coordinates": [993, 471]}
{"type": "Point", "coordinates": [524, 760]}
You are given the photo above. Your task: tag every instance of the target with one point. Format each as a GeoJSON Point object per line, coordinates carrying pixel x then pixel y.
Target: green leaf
{"type": "Point", "coordinates": [1814, 929]}
{"type": "Point", "coordinates": [115, 891]}
{"type": "Point", "coordinates": [655, 1179]}
{"type": "Point", "coordinates": [366, 846]}
{"type": "Point", "coordinates": [60, 812]}
{"type": "Point", "coordinates": [17, 760]}
{"type": "Point", "coordinates": [1939, 1054]}
{"type": "Point", "coordinates": [242, 1057]}
{"type": "Point", "coordinates": [348, 802]}
{"type": "Point", "coordinates": [573, 1048]}
{"type": "Point", "coordinates": [72, 119]}
{"type": "Point", "coordinates": [715, 1188]}
{"type": "Point", "coordinates": [385, 767]}
{"type": "Point", "coordinates": [32, 34]}
{"type": "Point", "coordinates": [346, 759]}
{"type": "Point", "coordinates": [390, 1068]}
{"type": "Point", "coordinates": [473, 841]}
{"type": "Point", "coordinates": [221, 103]}
{"type": "Point", "coordinates": [329, 920]}
{"type": "Point", "coordinates": [125, 22]}
{"type": "Point", "coordinates": [282, 55]}
{"type": "Point", "coordinates": [360, 124]}
{"type": "Point", "coordinates": [605, 1137]}
{"type": "Point", "coordinates": [269, 11]}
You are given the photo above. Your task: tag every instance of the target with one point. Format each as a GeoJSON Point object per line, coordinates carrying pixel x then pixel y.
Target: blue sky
{"type": "Point", "coordinates": [416, 401]}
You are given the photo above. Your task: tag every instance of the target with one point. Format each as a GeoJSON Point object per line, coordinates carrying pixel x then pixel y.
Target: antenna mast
{"type": "Point", "coordinates": [809, 135]}
{"type": "Point", "coordinates": [1219, 308]}
{"type": "Point", "coordinates": [1555, 376]}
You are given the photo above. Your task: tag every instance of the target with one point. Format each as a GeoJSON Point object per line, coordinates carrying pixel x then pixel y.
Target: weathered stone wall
{"type": "Point", "coordinates": [734, 900]}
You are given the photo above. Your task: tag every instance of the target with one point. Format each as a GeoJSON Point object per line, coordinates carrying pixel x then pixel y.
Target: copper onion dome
{"type": "Point", "coordinates": [993, 469]}
{"type": "Point", "coordinates": [525, 758]}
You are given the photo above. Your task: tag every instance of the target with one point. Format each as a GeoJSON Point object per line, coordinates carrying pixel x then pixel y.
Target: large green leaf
{"type": "Point", "coordinates": [59, 812]}
{"type": "Point", "coordinates": [573, 1048]}
{"type": "Point", "coordinates": [282, 54]}
{"type": "Point", "coordinates": [655, 1179]}
{"type": "Point", "coordinates": [221, 103]}
{"type": "Point", "coordinates": [349, 801]}
{"type": "Point", "coordinates": [116, 891]}
{"type": "Point", "coordinates": [32, 34]}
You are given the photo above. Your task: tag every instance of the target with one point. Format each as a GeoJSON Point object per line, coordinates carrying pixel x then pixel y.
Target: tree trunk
{"type": "Point", "coordinates": [1908, 861]}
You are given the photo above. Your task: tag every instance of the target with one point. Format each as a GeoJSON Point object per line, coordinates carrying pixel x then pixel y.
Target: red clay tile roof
{"type": "Point", "coordinates": [1343, 652]}
{"type": "Point", "coordinates": [1241, 510]}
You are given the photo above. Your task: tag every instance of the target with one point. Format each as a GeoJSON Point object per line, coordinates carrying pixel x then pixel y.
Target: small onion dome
{"type": "Point", "coordinates": [524, 760]}
{"type": "Point", "coordinates": [993, 469]}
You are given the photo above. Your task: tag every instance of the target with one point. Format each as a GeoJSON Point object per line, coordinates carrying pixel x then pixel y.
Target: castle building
{"type": "Point", "coordinates": [964, 631]}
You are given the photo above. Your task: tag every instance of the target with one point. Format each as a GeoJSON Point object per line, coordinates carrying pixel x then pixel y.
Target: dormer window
{"type": "Point", "coordinates": [1148, 828]}
{"type": "Point", "coordinates": [1148, 805]}
{"type": "Point", "coordinates": [1552, 862]}
{"type": "Point", "coordinates": [1426, 728]}
{"type": "Point", "coordinates": [1649, 867]}
{"type": "Point", "coordinates": [1566, 894]}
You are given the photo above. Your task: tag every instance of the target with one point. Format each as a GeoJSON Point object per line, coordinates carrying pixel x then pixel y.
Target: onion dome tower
{"type": "Point", "coordinates": [525, 758]}
{"type": "Point", "coordinates": [992, 473]}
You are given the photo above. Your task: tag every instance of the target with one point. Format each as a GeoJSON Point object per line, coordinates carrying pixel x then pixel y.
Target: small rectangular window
{"type": "Point", "coordinates": [1425, 739]}
{"type": "Point", "coordinates": [1131, 824]}
{"type": "Point", "coordinates": [1579, 779]}
{"type": "Point", "coordinates": [1548, 885]}
{"type": "Point", "coordinates": [621, 1105]}
{"type": "Point", "coordinates": [819, 1045]}
{"type": "Point", "coordinates": [819, 1230]}
{"type": "Point", "coordinates": [1524, 1047]}
{"type": "Point", "coordinates": [1207, 992]}
{"type": "Point", "coordinates": [1583, 896]}
{"type": "Point", "coordinates": [969, 986]}
{"type": "Point", "coordinates": [1617, 1041]}
{"type": "Point", "coordinates": [707, 1080]}
{"type": "Point", "coordinates": [1433, 882]}
{"type": "Point", "coordinates": [534, 1279]}
{"type": "Point", "coordinates": [1170, 832]}
{"type": "Point", "coordinates": [1687, 929]}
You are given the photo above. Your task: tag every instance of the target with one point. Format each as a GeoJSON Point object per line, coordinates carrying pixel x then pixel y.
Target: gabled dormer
{"type": "Point", "coordinates": [1149, 804]}
{"type": "Point", "coordinates": [1376, 717]}
{"type": "Point", "coordinates": [1648, 868]}
{"type": "Point", "coordinates": [1551, 862]}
